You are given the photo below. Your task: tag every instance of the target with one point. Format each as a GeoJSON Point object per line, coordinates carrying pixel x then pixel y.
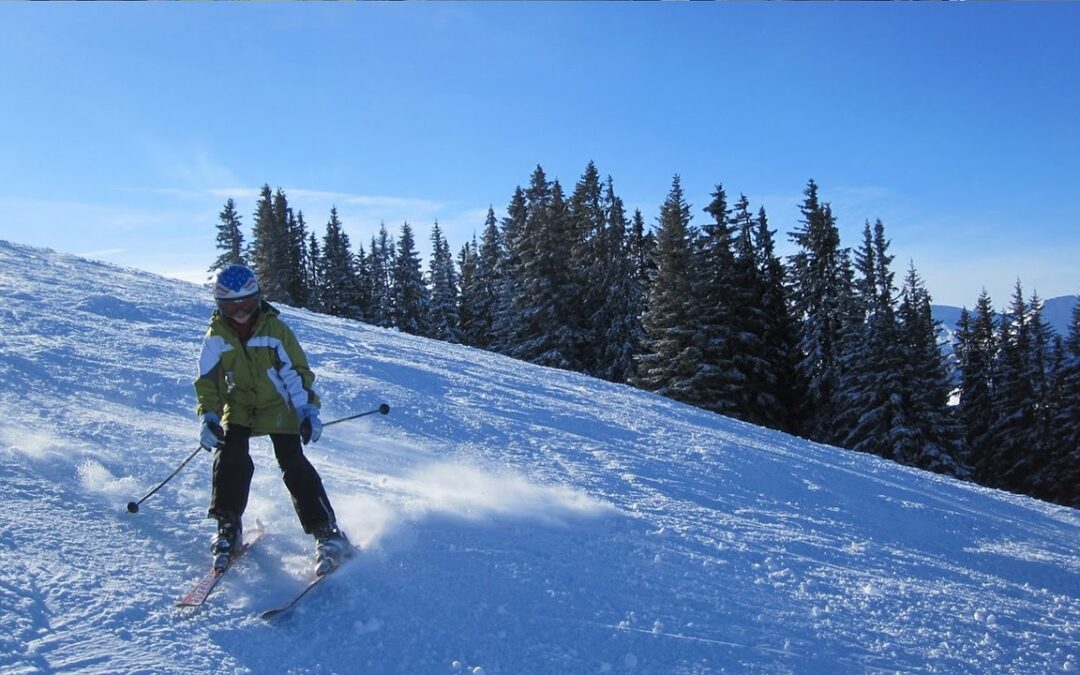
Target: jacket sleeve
{"type": "Point", "coordinates": [211, 381]}
{"type": "Point", "coordinates": [295, 372]}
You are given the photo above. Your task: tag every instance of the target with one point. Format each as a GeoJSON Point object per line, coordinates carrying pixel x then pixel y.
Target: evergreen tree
{"type": "Point", "coordinates": [931, 440]}
{"type": "Point", "coordinates": [894, 386]}
{"type": "Point", "coordinates": [822, 299]}
{"type": "Point", "coordinates": [615, 324]}
{"type": "Point", "coordinates": [287, 251]}
{"type": "Point", "coordinates": [641, 256]}
{"type": "Point", "coordinates": [1040, 371]}
{"type": "Point", "coordinates": [976, 354]}
{"type": "Point", "coordinates": [467, 295]}
{"type": "Point", "coordinates": [510, 274]}
{"type": "Point", "coordinates": [411, 297]}
{"type": "Point", "coordinates": [268, 242]}
{"type": "Point", "coordinates": [671, 356]}
{"type": "Point", "coordinates": [588, 272]}
{"type": "Point", "coordinates": [784, 392]}
{"type": "Point", "coordinates": [298, 259]}
{"type": "Point", "coordinates": [485, 288]}
{"type": "Point", "coordinates": [716, 384]}
{"type": "Point", "coordinates": [337, 272]}
{"type": "Point", "coordinates": [1012, 435]}
{"type": "Point", "coordinates": [364, 285]}
{"type": "Point", "coordinates": [873, 417]}
{"type": "Point", "coordinates": [230, 239]}
{"type": "Point", "coordinates": [1062, 475]}
{"type": "Point", "coordinates": [753, 397]}
{"type": "Point", "coordinates": [381, 267]}
{"type": "Point", "coordinates": [442, 311]}
{"type": "Point", "coordinates": [642, 252]}
{"type": "Point", "coordinates": [313, 280]}
{"type": "Point", "coordinates": [546, 334]}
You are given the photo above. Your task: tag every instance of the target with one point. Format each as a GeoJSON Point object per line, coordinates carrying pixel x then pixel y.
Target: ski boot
{"type": "Point", "coordinates": [225, 543]}
{"type": "Point", "coordinates": [331, 547]}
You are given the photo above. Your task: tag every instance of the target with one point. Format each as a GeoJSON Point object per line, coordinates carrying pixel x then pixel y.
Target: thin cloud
{"type": "Point", "coordinates": [102, 253]}
{"type": "Point", "coordinates": [186, 168]}
{"type": "Point", "coordinates": [368, 202]}
{"type": "Point", "coordinates": [306, 199]}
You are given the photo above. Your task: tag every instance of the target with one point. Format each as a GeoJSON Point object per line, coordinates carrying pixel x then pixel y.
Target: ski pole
{"type": "Point", "coordinates": [382, 410]}
{"type": "Point", "coordinates": [133, 507]}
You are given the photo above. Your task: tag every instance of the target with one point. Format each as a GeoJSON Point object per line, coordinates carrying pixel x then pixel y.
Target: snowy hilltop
{"type": "Point", "coordinates": [513, 518]}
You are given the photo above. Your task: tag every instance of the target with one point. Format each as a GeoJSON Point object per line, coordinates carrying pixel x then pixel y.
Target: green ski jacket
{"type": "Point", "coordinates": [258, 383]}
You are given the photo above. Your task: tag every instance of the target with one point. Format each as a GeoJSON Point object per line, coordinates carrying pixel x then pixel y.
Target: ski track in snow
{"type": "Point", "coordinates": [514, 519]}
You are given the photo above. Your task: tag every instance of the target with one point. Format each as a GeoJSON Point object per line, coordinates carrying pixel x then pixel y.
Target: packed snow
{"type": "Point", "coordinates": [513, 519]}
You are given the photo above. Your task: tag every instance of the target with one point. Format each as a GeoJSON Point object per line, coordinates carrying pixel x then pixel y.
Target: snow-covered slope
{"type": "Point", "coordinates": [515, 519]}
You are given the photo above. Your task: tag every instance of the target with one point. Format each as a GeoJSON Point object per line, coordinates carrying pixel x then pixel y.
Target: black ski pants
{"type": "Point", "coordinates": [233, 470]}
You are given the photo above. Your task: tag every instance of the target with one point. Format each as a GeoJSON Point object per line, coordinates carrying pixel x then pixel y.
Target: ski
{"type": "Point", "coordinates": [315, 581]}
{"type": "Point", "coordinates": [197, 595]}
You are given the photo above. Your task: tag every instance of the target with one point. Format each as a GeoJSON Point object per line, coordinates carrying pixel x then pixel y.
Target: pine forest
{"type": "Point", "coordinates": [827, 343]}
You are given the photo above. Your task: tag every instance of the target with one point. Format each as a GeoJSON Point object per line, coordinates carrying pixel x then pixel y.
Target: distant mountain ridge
{"type": "Point", "coordinates": [1057, 312]}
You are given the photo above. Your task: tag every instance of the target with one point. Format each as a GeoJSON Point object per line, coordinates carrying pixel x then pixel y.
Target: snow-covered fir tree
{"type": "Point", "coordinates": [482, 296]}
{"type": "Point", "coordinates": [381, 268]}
{"type": "Point", "coordinates": [265, 254]}
{"type": "Point", "coordinates": [782, 389]}
{"type": "Point", "coordinates": [288, 256]}
{"type": "Point", "coordinates": [411, 295]}
{"type": "Point", "coordinates": [311, 274]}
{"type": "Point", "coordinates": [230, 238]}
{"type": "Point", "coordinates": [871, 414]}
{"type": "Point", "coordinates": [1013, 437]}
{"type": "Point", "coordinates": [587, 271]}
{"type": "Point", "coordinates": [1061, 482]}
{"type": "Point", "coordinates": [442, 310]}
{"type": "Point", "coordinates": [930, 440]}
{"type": "Point", "coordinates": [822, 300]}
{"type": "Point", "coordinates": [337, 272]}
{"type": "Point", "coordinates": [753, 397]}
{"type": "Point", "coordinates": [640, 255]}
{"type": "Point", "coordinates": [466, 299]}
{"type": "Point", "coordinates": [510, 275]}
{"type": "Point", "coordinates": [297, 258]}
{"type": "Point", "coordinates": [670, 354]}
{"type": "Point", "coordinates": [716, 383]}
{"type": "Point", "coordinates": [1045, 358]}
{"type": "Point", "coordinates": [544, 306]}
{"type": "Point", "coordinates": [976, 355]}
{"type": "Point", "coordinates": [615, 325]}
{"type": "Point", "coordinates": [364, 284]}
{"type": "Point", "coordinates": [749, 322]}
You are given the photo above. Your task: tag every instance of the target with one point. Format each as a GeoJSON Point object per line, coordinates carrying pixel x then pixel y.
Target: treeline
{"type": "Point", "coordinates": [1019, 405]}
{"type": "Point", "coordinates": [824, 344]}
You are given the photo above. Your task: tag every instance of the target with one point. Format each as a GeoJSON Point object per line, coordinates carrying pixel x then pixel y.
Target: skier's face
{"type": "Point", "coordinates": [239, 310]}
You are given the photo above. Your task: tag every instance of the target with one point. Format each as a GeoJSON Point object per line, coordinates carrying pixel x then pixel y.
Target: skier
{"type": "Point", "coordinates": [254, 379]}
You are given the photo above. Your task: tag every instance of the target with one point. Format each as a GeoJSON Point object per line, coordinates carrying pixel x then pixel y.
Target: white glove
{"type": "Point", "coordinates": [211, 435]}
{"type": "Point", "coordinates": [310, 424]}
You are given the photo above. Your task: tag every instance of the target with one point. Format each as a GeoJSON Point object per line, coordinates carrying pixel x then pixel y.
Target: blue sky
{"type": "Point", "coordinates": [127, 126]}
